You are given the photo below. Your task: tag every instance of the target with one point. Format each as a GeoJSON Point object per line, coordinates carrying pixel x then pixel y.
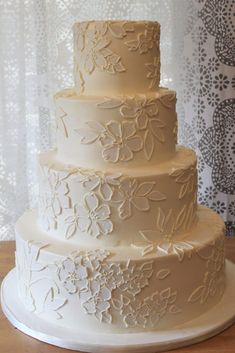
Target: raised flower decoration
{"type": "Point", "coordinates": [111, 275]}
{"type": "Point", "coordinates": [179, 248]}
{"type": "Point", "coordinates": [96, 301]}
{"type": "Point", "coordinates": [53, 303]}
{"type": "Point", "coordinates": [94, 47]}
{"type": "Point", "coordinates": [90, 218]}
{"type": "Point", "coordinates": [161, 239]}
{"type": "Point", "coordinates": [153, 72]}
{"type": "Point", "coordinates": [135, 278]}
{"type": "Point", "coordinates": [140, 108]}
{"type": "Point", "coordinates": [144, 112]}
{"type": "Point", "coordinates": [187, 178]}
{"type": "Point", "coordinates": [136, 314]}
{"type": "Point", "coordinates": [149, 312]}
{"type": "Point", "coordinates": [103, 183]}
{"type": "Point", "coordinates": [145, 40]}
{"type": "Point", "coordinates": [213, 281]}
{"type": "Point", "coordinates": [119, 139]}
{"type": "Point", "coordinates": [103, 286]}
{"type": "Point", "coordinates": [73, 275]}
{"type": "Point", "coordinates": [137, 195]}
{"type": "Point", "coordinates": [161, 303]}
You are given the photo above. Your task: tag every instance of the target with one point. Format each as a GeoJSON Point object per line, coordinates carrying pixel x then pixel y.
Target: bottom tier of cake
{"type": "Point", "coordinates": [149, 286]}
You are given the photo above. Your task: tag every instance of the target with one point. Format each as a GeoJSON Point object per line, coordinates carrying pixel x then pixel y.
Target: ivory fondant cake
{"type": "Point", "coordinates": [118, 243]}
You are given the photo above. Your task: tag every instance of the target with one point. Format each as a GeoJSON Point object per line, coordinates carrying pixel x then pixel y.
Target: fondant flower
{"type": "Point", "coordinates": [145, 40]}
{"type": "Point", "coordinates": [73, 275]}
{"type": "Point", "coordinates": [159, 303]}
{"type": "Point", "coordinates": [111, 275]}
{"type": "Point", "coordinates": [95, 54]}
{"type": "Point", "coordinates": [98, 300]}
{"type": "Point", "coordinates": [94, 218]}
{"type": "Point", "coordinates": [104, 183]}
{"type": "Point", "coordinates": [137, 195]}
{"type": "Point", "coordinates": [140, 109]}
{"type": "Point", "coordinates": [135, 278]}
{"type": "Point", "coordinates": [135, 315]}
{"type": "Point", "coordinates": [120, 141]}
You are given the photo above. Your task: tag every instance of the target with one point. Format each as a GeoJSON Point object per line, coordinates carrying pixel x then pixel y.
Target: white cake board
{"type": "Point", "coordinates": [207, 325]}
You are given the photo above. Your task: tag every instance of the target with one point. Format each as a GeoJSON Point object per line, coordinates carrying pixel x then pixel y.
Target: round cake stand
{"type": "Point", "coordinates": [207, 325]}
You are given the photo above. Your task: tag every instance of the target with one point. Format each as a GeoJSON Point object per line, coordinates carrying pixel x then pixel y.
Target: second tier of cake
{"type": "Point", "coordinates": [100, 132]}
{"type": "Point", "coordinates": [118, 208]}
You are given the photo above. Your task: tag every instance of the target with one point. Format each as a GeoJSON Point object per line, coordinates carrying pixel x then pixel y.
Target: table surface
{"type": "Point", "coordinates": [14, 341]}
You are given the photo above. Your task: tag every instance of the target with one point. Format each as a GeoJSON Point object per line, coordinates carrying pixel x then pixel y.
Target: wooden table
{"type": "Point", "coordinates": [14, 341]}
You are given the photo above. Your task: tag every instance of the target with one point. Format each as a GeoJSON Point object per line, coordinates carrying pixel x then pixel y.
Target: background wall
{"type": "Point", "coordinates": [198, 59]}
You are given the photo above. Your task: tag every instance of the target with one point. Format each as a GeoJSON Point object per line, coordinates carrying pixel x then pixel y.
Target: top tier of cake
{"type": "Point", "coordinates": [117, 57]}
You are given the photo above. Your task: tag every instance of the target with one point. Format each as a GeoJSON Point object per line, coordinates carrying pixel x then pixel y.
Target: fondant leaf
{"type": "Point", "coordinates": [125, 210]}
{"type": "Point", "coordinates": [176, 172]}
{"type": "Point", "coordinates": [173, 309]}
{"type": "Point", "coordinates": [116, 303]}
{"type": "Point", "coordinates": [183, 190]}
{"type": "Point", "coordinates": [119, 67]}
{"type": "Point", "coordinates": [144, 188]}
{"type": "Point", "coordinates": [148, 144]}
{"type": "Point", "coordinates": [95, 125]}
{"type": "Point", "coordinates": [179, 252]}
{"type": "Point", "coordinates": [162, 274]}
{"type": "Point", "coordinates": [190, 216]}
{"type": "Point", "coordinates": [87, 136]}
{"type": "Point", "coordinates": [70, 230]}
{"type": "Point", "coordinates": [156, 195]}
{"type": "Point", "coordinates": [147, 249]}
{"type": "Point", "coordinates": [160, 219]}
{"type": "Point", "coordinates": [141, 203]}
{"type": "Point", "coordinates": [156, 126]}
{"type": "Point", "coordinates": [110, 103]}
{"type": "Point", "coordinates": [147, 266]}
{"type": "Point", "coordinates": [180, 218]}
{"type": "Point", "coordinates": [196, 295]}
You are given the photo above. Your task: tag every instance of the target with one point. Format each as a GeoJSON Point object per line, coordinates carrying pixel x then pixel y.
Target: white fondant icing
{"type": "Point", "coordinates": [91, 207]}
{"type": "Point", "coordinates": [121, 57]}
{"type": "Point", "coordinates": [115, 131]}
{"type": "Point", "coordinates": [115, 289]}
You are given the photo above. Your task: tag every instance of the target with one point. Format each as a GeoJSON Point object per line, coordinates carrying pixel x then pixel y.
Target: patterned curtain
{"type": "Point", "coordinates": [198, 58]}
{"type": "Point", "coordinates": [207, 104]}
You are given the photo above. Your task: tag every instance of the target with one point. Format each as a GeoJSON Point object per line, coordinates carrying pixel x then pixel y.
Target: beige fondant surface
{"type": "Point", "coordinates": [91, 207]}
{"type": "Point", "coordinates": [102, 132]}
{"type": "Point", "coordinates": [121, 57]}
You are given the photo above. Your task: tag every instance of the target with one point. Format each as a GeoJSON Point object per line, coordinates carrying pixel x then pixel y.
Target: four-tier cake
{"type": "Point", "coordinates": [118, 243]}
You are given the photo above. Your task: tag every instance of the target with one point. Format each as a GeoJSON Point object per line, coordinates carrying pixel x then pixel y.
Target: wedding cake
{"type": "Point", "coordinates": [118, 243]}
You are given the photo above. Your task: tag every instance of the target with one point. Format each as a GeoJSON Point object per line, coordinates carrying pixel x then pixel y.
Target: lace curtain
{"type": "Point", "coordinates": [197, 55]}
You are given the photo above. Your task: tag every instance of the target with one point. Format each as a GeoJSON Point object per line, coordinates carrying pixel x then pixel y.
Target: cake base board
{"type": "Point", "coordinates": [207, 325]}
